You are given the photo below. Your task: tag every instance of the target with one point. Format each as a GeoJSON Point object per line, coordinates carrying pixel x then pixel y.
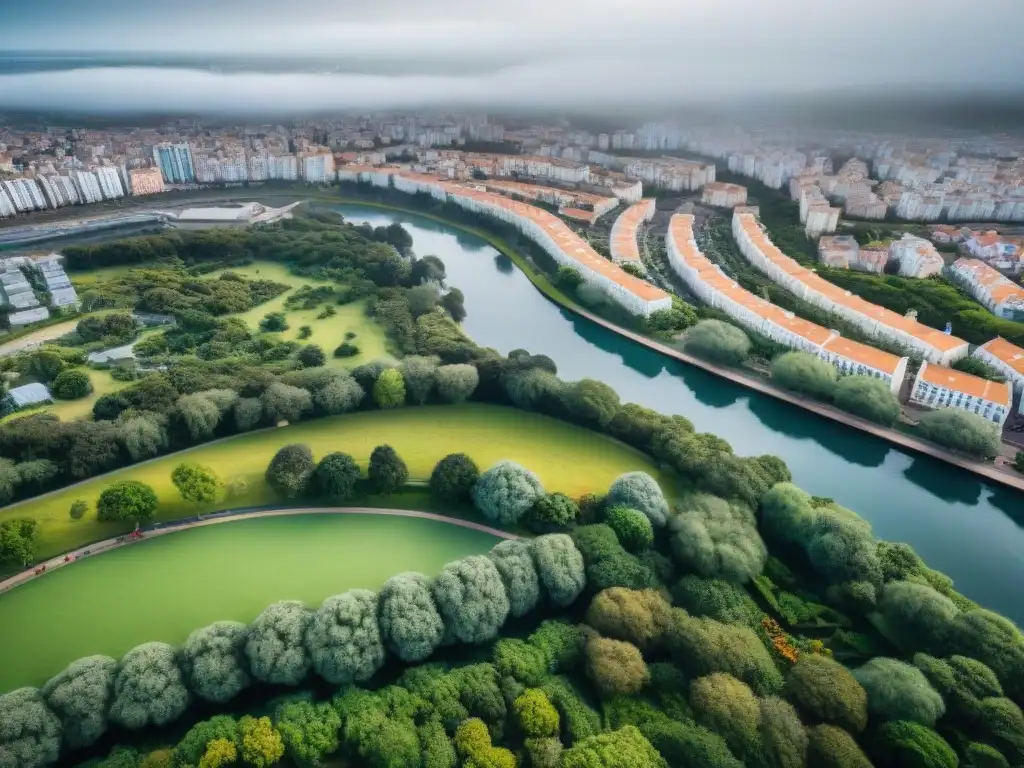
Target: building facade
{"type": "Point", "coordinates": [938, 387]}
{"type": "Point", "coordinates": [175, 162]}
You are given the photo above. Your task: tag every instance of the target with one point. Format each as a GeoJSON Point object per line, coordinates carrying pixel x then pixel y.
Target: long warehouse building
{"type": "Point", "coordinates": [875, 321]}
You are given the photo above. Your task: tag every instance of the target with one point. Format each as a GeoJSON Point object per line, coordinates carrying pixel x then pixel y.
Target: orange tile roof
{"type": "Point", "coordinates": [623, 236]}
{"type": "Point", "coordinates": [1008, 353]}
{"type": "Point", "coordinates": [958, 381]}
{"type": "Point", "coordinates": [863, 354]}
{"type": "Point", "coordinates": [814, 282]}
{"type": "Point", "coordinates": [994, 282]}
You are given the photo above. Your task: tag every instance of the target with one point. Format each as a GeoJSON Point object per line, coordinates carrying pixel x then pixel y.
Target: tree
{"type": "Point", "coordinates": [18, 540]}
{"type": "Point", "coordinates": [309, 731]}
{"type": "Point", "coordinates": [561, 643]}
{"type": "Point", "coordinates": [592, 403]}
{"type": "Point", "coordinates": [718, 342]}
{"type": "Point", "coordinates": [505, 492]}
{"type": "Point", "coordinates": [213, 661]}
{"type": "Point", "coordinates": [552, 512]}
{"type": "Point", "coordinates": [473, 743]}
{"type": "Point", "coordinates": [344, 640]}
{"type": "Point", "coordinates": [429, 269]}
{"type": "Point", "coordinates": [912, 745]}
{"type": "Point", "coordinates": [195, 483]}
{"type": "Point", "coordinates": [10, 478]}
{"type": "Point", "coordinates": [826, 692]}
{"type": "Point", "coordinates": [219, 753]}
{"type": "Point", "coordinates": [639, 616]}
{"type": "Point", "coordinates": [522, 662]}
{"type": "Point", "coordinates": [261, 745]}
{"type": "Point", "coordinates": [422, 298]}
{"type": "Point", "coordinates": [717, 599]}
{"type": "Point", "coordinates": [867, 397]}
{"type": "Point", "coordinates": [129, 500]}
{"type": "Point", "coordinates": [80, 697]}
{"type": "Point", "coordinates": [389, 389]}
{"type": "Point", "coordinates": [728, 707]}
{"type": "Point", "coordinates": [568, 279]}
{"type": "Point", "coordinates": [718, 540]}
{"type": "Point", "coordinates": [560, 567]}
{"type": "Point", "coordinates": [536, 715]}
{"type": "Point", "coordinates": [632, 527]}
{"type": "Point", "coordinates": [79, 509]}
{"type": "Point", "coordinates": [199, 414]}
{"type": "Point", "coordinates": [312, 356]}
{"type": "Point", "coordinates": [248, 413]}
{"type": "Point", "coordinates": [471, 599]}
{"type": "Point", "coordinates": [613, 749]}
{"type": "Point", "coordinates": [340, 395]}
{"type": "Point", "coordinates": [420, 377]}
{"type": "Point", "coordinates": [636, 425]}
{"type": "Point", "coordinates": [148, 688]}
{"type": "Point", "coordinates": [387, 471]}
{"type": "Point", "coordinates": [194, 744]}
{"type": "Point", "coordinates": [30, 734]}
{"type": "Point", "coordinates": [962, 431]}
{"type": "Point", "coordinates": [456, 383]}
{"type": "Point", "coordinates": [915, 615]}
{"type": "Point", "coordinates": [275, 644]}
{"type": "Point", "coordinates": [142, 436]}
{"type": "Point", "coordinates": [290, 470]}
{"type": "Point", "coordinates": [454, 303]}
{"type": "Point", "coordinates": [274, 322]}
{"type": "Point", "coordinates": [831, 747]}
{"type": "Point", "coordinates": [805, 373]}
{"type": "Point", "coordinates": [701, 646]}
{"type": "Point", "coordinates": [638, 490]}
{"type": "Point", "coordinates": [71, 384]}
{"type": "Point", "coordinates": [44, 365]}
{"type": "Point", "coordinates": [453, 478]}
{"type": "Point", "coordinates": [898, 691]}
{"type": "Point", "coordinates": [284, 403]}
{"type": "Point", "coordinates": [336, 476]}
{"type": "Point", "coordinates": [514, 560]}
{"type": "Point", "coordinates": [782, 737]}
{"type": "Point", "coordinates": [159, 758]}
{"type": "Point", "coordinates": [409, 622]}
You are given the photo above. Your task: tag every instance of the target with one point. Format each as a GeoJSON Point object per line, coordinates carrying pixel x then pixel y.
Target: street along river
{"type": "Point", "coordinates": [972, 531]}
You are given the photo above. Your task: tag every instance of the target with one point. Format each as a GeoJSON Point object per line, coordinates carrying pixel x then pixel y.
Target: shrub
{"type": "Point", "coordinates": [915, 615]}
{"type": "Point", "coordinates": [248, 413]}
{"type": "Point", "coordinates": [505, 492]}
{"type": "Point", "coordinates": [905, 744]}
{"type": "Point", "coordinates": [344, 639]}
{"type": "Point", "coordinates": [805, 373]}
{"type": "Point", "coordinates": [717, 341]}
{"type": "Point", "coordinates": [632, 527]}
{"type": "Point", "coordinates": [453, 477]}
{"type": "Point", "coordinates": [520, 661]}
{"type": "Point", "coordinates": [638, 490]}
{"type": "Point", "coordinates": [470, 596]}
{"type": "Point", "coordinates": [389, 389]}
{"type": "Point", "coordinates": [420, 377]}
{"type": "Point", "coordinates": [961, 431]}
{"type": "Point", "coordinates": [261, 745]}
{"type": "Point", "coordinates": [312, 356]}
{"type": "Point", "coordinates": [219, 753]}
{"type": "Point", "coordinates": [194, 744]}
{"type": "Point", "coordinates": [702, 646]}
{"type": "Point", "coordinates": [30, 734]}
{"type": "Point", "coordinates": [726, 706]}
{"type": "Point", "coordinates": [213, 662]}
{"type": "Point", "coordinates": [614, 749]}
{"type": "Point", "coordinates": [127, 501]}
{"type": "Point", "coordinates": [148, 688]}
{"type": "Point", "coordinates": [457, 383]}
{"type": "Point", "coordinates": [867, 397]}
{"type": "Point", "coordinates": [552, 512]}
{"type": "Point", "coordinates": [409, 622]}
{"type": "Point", "coordinates": [832, 747]}
{"type": "Point", "coordinates": [339, 395]}
{"type": "Point", "coordinates": [641, 617]}
{"type": "Point", "coordinates": [387, 471]}
{"type": "Point", "coordinates": [79, 509]}
{"type": "Point", "coordinates": [591, 402]}
{"type": "Point", "coordinates": [536, 715]}
{"type": "Point", "coordinates": [336, 476]}
{"type": "Point", "coordinates": [995, 641]}
{"type": "Point", "coordinates": [71, 384]}
{"type": "Point", "coordinates": [282, 402]}
{"type": "Point", "coordinates": [195, 483]}
{"type": "Point", "coordinates": [346, 349]}
{"type": "Point", "coordinates": [559, 567]}
{"type": "Point", "coordinates": [720, 600]}
{"type": "Point", "coordinates": [275, 644]}
{"type": "Point", "coordinates": [290, 470]}
{"type": "Point", "coordinates": [274, 322]}
{"type": "Point", "coordinates": [561, 643]}
{"type": "Point", "coordinates": [514, 561]}
{"type": "Point", "coordinates": [309, 731]}
{"type": "Point", "coordinates": [782, 737]}
{"type": "Point", "coordinates": [615, 667]}
{"type": "Point", "coordinates": [473, 743]}
{"type": "Point", "coordinates": [898, 691]}
{"type": "Point", "coordinates": [80, 697]}
{"type": "Point", "coordinates": [826, 692]}
{"type": "Point", "coordinates": [718, 540]}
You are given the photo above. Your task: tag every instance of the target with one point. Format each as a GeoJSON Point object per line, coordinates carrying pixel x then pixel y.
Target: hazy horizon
{"type": "Point", "coordinates": [538, 54]}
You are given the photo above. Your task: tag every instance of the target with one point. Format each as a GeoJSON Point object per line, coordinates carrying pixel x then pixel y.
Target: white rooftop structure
{"type": "Point", "coordinates": [29, 394]}
{"type": "Point", "coordinates": [63, 297]}
{"type": "Point", "coordinates": [23, 300]}
{"type": "Point", "coordinates": [27, 316]}
{"type": "Point", "coordinates": [239, 215]}
{"type": "Point", "coordinates": [113, 355]}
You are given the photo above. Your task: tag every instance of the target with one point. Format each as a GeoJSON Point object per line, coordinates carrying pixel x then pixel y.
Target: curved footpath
{"type": "Point", "coordinates": [908, 442]}
{"type": "Point", "coordinates": [227, 516]}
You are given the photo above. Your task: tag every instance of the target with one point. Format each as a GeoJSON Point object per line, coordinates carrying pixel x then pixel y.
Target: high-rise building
{"type": "Point", "coordinates": [175, 161]}
{"type": "Point", "coordinates": [110, 182]}
{"type": "Point", "coordinates": [147, 181]}
{"type": "Point", "coordinates": [319, 168]}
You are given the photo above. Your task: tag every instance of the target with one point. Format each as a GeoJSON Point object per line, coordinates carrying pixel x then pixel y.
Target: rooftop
{"type": "Point", "coordinates": [996, 392]}
{"type": "Point", "coordinates": [1006, 352]}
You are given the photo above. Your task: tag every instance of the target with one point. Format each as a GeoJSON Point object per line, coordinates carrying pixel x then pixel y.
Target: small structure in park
{"type": "Point", "coordinates": [25, 396]}
{"type": "Point", "coordinates": [243, 215]}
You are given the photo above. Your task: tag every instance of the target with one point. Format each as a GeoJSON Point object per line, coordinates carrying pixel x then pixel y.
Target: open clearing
{"type": "Point", "coordinates": [567, 458]}
{"type": "Point", "coordinates": [162, 589]}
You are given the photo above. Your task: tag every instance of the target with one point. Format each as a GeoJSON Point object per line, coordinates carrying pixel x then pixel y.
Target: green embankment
{"type": "Point", "coordinates": [565, 457]}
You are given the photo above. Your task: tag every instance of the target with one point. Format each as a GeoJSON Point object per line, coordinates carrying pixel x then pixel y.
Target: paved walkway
{"type": "Point", "coordinates": [228, 516]}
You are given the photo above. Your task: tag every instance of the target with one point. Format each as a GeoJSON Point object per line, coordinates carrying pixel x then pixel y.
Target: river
{"type": "Point", "coordinates": [968, 529]}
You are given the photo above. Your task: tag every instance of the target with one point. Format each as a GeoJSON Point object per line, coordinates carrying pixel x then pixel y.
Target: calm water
{"type": "Point", "coordinates": [968, 529]}
{"type": "Point", "coordinates": [194, 578]}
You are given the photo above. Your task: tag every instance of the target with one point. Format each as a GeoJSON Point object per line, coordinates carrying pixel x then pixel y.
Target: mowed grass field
{"type": "Point", "coordinates": [567, 458]}
{"type": "Point", "coordinates": [328, 332]}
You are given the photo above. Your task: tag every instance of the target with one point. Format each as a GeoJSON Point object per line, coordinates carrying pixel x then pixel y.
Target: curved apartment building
{"type": "Point", "coordinates": [624, 247]}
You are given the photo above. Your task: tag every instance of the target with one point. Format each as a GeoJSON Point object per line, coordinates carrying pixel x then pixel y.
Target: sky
{"type": "Point", "coordinates": [572, 54]}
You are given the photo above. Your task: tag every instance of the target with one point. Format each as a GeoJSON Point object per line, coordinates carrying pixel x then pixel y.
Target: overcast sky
{"type": "Point", "coordinates": [531, 53]}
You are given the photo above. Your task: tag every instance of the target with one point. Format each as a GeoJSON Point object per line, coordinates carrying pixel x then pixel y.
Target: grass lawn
{"type": "Point", "coordinates": [87, 278]}
{"type": "Point", "coordinates": [565, 457]}
{"type": "Point", "coordinates": [68, 410]}
{"type": "Point", "coordinates": [329, 332]}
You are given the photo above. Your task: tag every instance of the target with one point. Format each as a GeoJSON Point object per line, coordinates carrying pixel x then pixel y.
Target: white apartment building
{"type": "Point", "coordinates": [53, 195]}
{"type": "Point", "coordinates": [876, 322]}
{"type": "Point", "coordinates": [917, 257]}
{"type": "Point", "coordinates": [6, 204]}
{"type": "Point", "coordinates": [67, 188]}
{"type": "Point", "coordinates": [938, 387]}
{"type": "Point", "coordinates": [88, 186]}
{"type": "Point", "coordinates": [319, 168]}
{"type": "Point", "coordinates": [110, 182]}
{"type": "Point", "coordinates": [723, 195]}
{"type": "Point", "coordinates": [624, 247]}
{"type": "Point", "coordinates": [1006, 358]}
{"type": "Point", "coordinates": [282, 167]}
{"type": "Point", "coordinates": [25, 194]}
{"type": "Point", "coordinates": [714, 287]}
{"type": "Point", "coordinates": [998, 293]}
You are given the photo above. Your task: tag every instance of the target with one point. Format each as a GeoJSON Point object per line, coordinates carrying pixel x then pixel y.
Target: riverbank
{"type": "Point", "coordinates": [227, 516]}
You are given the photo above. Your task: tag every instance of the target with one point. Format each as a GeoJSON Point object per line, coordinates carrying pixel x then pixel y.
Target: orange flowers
{"type": "Point", "coordinates": [780, 640]}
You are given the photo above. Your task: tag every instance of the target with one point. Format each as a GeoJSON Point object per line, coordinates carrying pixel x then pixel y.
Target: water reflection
{"type": "Point", "coordinates": [949, 485]}
{"type": "Point", "coordinates": [504, 263]}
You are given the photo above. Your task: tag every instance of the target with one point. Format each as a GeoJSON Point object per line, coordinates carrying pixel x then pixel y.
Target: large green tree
{"type": "Point", "coordinates": [129, 500]}
{"type": "Point", "coordinates": [195, 483]}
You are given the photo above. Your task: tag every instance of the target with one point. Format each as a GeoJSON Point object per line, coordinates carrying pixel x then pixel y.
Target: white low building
{"type": "Point", "coordinates": [916, 256]}
{"type": "Point", "coordinates": [939, 387]}
{"type": "Point", "coordinates": [724, 195]}
{"type": "Point", "coordinates": [624, 247]}
{"type": "Point", "coordinates": [875, 321]}
{"type": "Point", "coordinates": [998, 293]}
{"type": "Point", "coordinates": [707, 281]}
{"type": "Point", "coordinates": [28, 316]}
{"type": "Point", "coordinates": [1006, 358]}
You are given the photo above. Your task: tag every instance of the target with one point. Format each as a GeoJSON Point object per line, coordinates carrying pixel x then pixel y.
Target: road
{"type": "Point", "coordinates": [34, 339]}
